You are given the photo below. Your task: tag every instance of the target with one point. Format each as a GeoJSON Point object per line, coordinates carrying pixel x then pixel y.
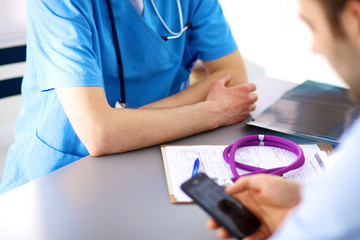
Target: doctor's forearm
{"type": "Point", "coordinates": [231, 63]}
{"type": "Point", "coordinates": [105, 130]}
{"type": "Point", "coordinates": [194, 94]}
{"type": "Point", "coordinates": [121, 130]}
{"type": "Point", "coordinates": [131, 129]}
{"type": "Point", "coordinates": [136, 129]}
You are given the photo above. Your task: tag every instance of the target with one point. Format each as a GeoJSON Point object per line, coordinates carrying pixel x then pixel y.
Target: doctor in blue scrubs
{"type": "Point", "coordinates": [71, 84]}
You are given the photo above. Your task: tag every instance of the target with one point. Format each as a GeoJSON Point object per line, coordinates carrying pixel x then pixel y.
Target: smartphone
{"type": "Point", "coordinates": [225, 209]}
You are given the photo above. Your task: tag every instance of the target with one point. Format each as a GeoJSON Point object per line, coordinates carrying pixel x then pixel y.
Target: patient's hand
{"type": "Point", "coordinates": [270, 198]}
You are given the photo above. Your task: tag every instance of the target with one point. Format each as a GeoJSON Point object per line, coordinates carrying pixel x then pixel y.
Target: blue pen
{"type": "Point", "coordinates": [196, 167]}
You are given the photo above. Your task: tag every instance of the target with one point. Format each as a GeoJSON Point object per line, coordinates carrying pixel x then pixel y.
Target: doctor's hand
{"type": "Point", "coordinates": [231, 104]}
{"type": "Point", "coordinates": [270, 198]}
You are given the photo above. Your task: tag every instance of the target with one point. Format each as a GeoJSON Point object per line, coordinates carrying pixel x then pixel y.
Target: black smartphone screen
{"type": "Point", "coordinates": [225, 209]}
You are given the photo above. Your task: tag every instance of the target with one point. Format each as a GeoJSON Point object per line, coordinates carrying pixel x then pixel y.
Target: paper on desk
{"type": "Point", "coordinates": [180, 160]}
{"type": "Point", "coordinates": [329, 160]}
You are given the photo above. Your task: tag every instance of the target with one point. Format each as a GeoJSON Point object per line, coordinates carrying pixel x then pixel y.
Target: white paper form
{"type": "Point", "coordinates": [180, 162]}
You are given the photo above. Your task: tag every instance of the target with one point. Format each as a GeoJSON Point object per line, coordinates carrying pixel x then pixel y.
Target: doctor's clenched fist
{"type": "Point", "coordinates": [231, 104]}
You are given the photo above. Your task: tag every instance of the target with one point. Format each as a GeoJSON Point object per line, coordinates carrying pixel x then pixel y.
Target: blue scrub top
{"type": "Point", "coordinates": [70, 44]}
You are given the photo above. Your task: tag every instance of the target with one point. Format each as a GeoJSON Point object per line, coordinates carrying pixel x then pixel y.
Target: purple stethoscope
{"type": "Point", "coordinates": [262, 140]}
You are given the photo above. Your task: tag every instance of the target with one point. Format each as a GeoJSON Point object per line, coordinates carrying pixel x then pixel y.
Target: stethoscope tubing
{"type": "Point", "coordinates": [181, 20]}
{"type": "Point", "coordinates": [163, 22]}
{"type": "Point", "coordinates": [262, 140]}
{"type": "Point", "coordinates": [122, 101]}
{"type": "Point", "coordinates": [119, 62]}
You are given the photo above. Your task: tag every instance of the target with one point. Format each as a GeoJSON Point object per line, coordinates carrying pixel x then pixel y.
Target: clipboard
{"type": "Point", "coordinates": [168, 175]}
{"type": "Point", "coordinates": [172, 181]}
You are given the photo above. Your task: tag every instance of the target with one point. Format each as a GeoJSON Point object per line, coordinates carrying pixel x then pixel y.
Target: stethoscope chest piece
{"type": "Point", "coordinates": [120, 104]}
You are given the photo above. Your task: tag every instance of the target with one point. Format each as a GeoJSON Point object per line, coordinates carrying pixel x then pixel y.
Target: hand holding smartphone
{"type": "Point", "coordinates": [225, 209]}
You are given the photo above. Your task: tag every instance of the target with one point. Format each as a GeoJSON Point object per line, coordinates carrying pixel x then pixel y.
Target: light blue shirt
{"type": "Point", "coordinates": [70, 44]}
{"type": "Point", "coordinates": [330, 207]}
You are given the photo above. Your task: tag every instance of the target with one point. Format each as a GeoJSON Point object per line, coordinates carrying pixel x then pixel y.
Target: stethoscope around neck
{"type": "Point", "coordinates": [122, 103]}
{"type": "Point", "coordinates": [182, 27]}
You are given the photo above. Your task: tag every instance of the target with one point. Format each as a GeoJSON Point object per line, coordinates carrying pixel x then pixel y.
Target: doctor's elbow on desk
{"type": "Point", "coordinates": [97, 140]}
{"type": "Point", "coordinates": [102, 140]}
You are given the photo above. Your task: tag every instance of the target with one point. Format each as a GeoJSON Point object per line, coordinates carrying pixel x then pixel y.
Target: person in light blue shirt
{"type": "Point", "coordinates": [328, 208]}
{"type": "Point", "coordinates": [71, 84]}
